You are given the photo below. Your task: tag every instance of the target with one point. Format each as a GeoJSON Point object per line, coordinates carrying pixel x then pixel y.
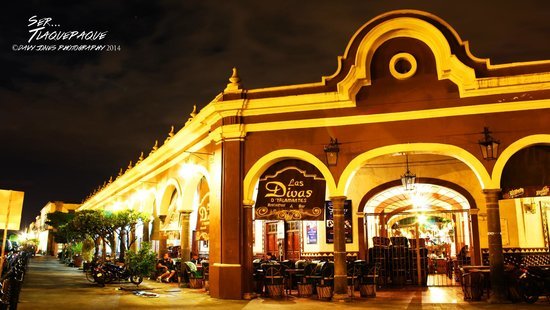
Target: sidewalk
{"type": "Point", "coordinates": [51, 285]}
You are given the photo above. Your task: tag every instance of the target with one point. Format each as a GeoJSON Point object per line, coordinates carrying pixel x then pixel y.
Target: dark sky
{"type": "Point", "coordinates": [69, 119]}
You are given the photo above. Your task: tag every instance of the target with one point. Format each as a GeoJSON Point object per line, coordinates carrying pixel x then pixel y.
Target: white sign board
{"type": "Point", "coordinates": [11, 202]}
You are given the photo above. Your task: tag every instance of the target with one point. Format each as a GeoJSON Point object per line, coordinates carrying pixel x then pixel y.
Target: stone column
{"type": "Point", "coordinates": [475, 251]}
{"type": "Point", "coordinates": [133, 241]}
{"type": "Point", "coordinates": [340, 272]}
{"type": "Point", "coordinates": [158, 237]}
{"type": "Point", "coordinates": [248, 252]}
{"type": "Point", "coordinates": [226, 223]}
{"type": "Point", "coordinates": [146, 231]}
{"type": "Point", "coordinates": [184, 236]}
{"type": "Point", "coordinates": [361, 235]}
{"type": "Point", "coordinates": [496, 259]}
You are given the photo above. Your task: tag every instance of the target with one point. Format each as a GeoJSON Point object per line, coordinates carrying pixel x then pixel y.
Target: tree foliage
{"type": "Point", "coordinates": [97, 225]}
{"type": "Point", "coordinates": [58, 220]}
{"type": "Point", "coordinates": [142, 262]}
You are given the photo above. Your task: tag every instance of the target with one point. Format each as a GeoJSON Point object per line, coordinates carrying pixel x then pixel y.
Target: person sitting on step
{"type": "Point", "coordinates": [165, 268]}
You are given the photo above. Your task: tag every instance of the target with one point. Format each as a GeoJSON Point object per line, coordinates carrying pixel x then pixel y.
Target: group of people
{"type": "Point", "coordinates": [167, 268]}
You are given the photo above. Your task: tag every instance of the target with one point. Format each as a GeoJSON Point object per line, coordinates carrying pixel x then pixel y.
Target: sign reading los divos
{"type": "Point", "coordinates": [291, 190]}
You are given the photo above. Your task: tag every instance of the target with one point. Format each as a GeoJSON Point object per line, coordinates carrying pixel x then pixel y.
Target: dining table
{"type": "Point", "coordinates": [292, 272]}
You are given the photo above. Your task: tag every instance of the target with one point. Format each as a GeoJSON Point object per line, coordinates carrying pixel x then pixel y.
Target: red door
{"type": "Point", "coordinates": [292, 241]}
{"type": "Point", "coordinates": [271, 239]}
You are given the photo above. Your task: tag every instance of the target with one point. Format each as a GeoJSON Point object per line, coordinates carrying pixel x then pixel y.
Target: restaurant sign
{"type": "Point", "coordinates": [526, 191]}
{"type": "Point", "coordinates": [291, 190]}
{"type": "Point", "coordinates": [203, 220]}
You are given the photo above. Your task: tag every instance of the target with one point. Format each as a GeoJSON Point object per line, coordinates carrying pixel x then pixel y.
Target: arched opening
{"type": "Point", "coordinates": [525, 205]}
{"type": "Point", "coordinates": [437, 212]}
{"type": "Point", "coordinates": [170, 221]}
{"type": "Point", "coordinates": [200, 221]}
{"type": "Point", "coordinates": [417, 235]}
{"type": "Point", "coordinates": [290, 194]}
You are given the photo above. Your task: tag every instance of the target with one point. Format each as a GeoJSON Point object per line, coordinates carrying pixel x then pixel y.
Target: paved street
{"type": "Point", "coordinates": [51, 285]}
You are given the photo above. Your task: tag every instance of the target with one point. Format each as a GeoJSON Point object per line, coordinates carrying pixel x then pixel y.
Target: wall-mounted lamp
{"type": "Point", "coordinates": [408, 179]}
{"type": "Point", "coordinates": [162, 218]}
{"type": "Point", "coordinates": [331, 152]}
{"type": "Point", "coordinates": [488, 146]}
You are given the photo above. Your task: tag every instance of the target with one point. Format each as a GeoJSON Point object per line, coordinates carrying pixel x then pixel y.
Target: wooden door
{"type": "Point", "coordinates": [292, 241]}
{"type": "Point", "coordinates": [271, 239]}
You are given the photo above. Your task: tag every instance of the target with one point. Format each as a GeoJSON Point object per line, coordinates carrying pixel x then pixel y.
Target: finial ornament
{"type": "Point", "coordinates": [129, 166]}
{"type": "Point", "coordinates": [170, 134]}
{"type": "Point", "coordinates": [119, 173]}
{"type": "Point", "coordinates": [140, 159]}
{"type": "Point", "coordinates": [155, 147]}
{"type": "Point", "coordinates": [110, 180]}
{"type": "Point", "coordinates": [235, 82]}
{"type": "Point", "coordinates": [192, 114]}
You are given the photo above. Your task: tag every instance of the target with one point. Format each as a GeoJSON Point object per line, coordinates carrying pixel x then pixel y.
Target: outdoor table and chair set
{"type": "Point", "coordinates": [312, 278]}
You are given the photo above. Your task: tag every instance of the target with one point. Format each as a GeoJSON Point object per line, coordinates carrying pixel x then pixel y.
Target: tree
{"type": "Point", "coordinates": [95, 225]}
{"type": "Point", "coordinates": [143, 262]}
{"type": "Point", "coordinates": [56, 220]}
{"type": "Point", "coordinates": [124, 223]}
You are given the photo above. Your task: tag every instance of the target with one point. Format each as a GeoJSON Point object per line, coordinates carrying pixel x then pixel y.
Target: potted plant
{"type": "Point", "coordinates": [77, 254]}
{"type": "Point", "coordinates": [88, 247]}
{"type": "Point", "coordinates": [141, 263]}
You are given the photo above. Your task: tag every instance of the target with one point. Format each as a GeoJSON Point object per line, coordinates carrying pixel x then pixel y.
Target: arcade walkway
{"type": "Point", "coordinates": [51, 285]}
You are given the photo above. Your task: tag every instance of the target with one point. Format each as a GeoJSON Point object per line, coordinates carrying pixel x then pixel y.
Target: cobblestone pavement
{"type": "Point", "coordinates": [51, 285]}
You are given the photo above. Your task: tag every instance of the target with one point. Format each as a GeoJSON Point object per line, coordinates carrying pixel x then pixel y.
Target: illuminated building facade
{"type": "Point", "coordinates": [43, 232]}
{"type": "Point", "coordinates": [408, 96]}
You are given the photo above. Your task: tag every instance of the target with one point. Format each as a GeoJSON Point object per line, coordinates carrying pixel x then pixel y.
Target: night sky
{"type": "Point", "coordinates": [71, 119]}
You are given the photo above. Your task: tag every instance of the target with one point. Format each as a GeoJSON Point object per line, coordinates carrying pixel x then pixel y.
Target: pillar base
{"type": "Point", "coordinates": [250, 296]}
{"type": "Point", "coordinates": [341, 297]}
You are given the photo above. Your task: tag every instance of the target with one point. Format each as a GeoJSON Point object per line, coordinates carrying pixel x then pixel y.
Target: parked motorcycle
{"type": "Point", "coordinates": [98, 275]}
{"type": "Point", "coordinates": [108, 272]}
{"type": "Point", "coordinates": [534, 282]}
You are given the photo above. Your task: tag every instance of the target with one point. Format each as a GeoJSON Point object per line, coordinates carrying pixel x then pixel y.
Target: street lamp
{"type": "Point", "coordinates": [488, 146]}
{"type": "Point", "coordinates": [331, 152]}
{"type": "Point", "coordinates": [408, 179]}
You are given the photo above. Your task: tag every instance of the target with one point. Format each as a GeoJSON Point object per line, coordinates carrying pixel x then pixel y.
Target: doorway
{"type": "Point", "coordinates": [292, 241]}
{"type": "Point", "coordinates": [283, 239]}
{"type": "Point", "coordinates": [415, 248]}
{"type": "Point", "coordinates": [271, 238]}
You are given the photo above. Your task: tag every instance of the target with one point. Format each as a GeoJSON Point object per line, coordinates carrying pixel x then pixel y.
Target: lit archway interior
{"type": "Point", "coordinates": [441, 212]}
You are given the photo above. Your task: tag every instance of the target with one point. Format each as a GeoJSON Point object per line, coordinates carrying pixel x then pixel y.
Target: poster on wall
{"type": "Point", "coordinates": [311, 231]}
{"type": "Point", "coordinates": [291, 190]}
{"type": "Point", "coordinates": [329, 222]}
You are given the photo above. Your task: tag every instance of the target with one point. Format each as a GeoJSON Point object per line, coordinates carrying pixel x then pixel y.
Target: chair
{"type": "Point", "coordinates": [287, 263]}
{"type": "Point", "coordinates": [205, 269]}
{"type": "Point", "coordinates": [300, 264]}
{"type": "Point", "coordinates": [369, 279]}
{"type": "Point", "coordinates": [194, 275]}
{"type": "Point", "coordinates": [324, 280]}
{"type": "Point", "coordinates": [205, 273]}
{"type": "Point", "coordinates": [273, 273]}
{"type": "Point", "coordinates": [274, 279]}
{"type": "Point", "coordinates": [327, 273]}
{"type": "Point", "coordinates": [305, 286]}
{"type": "Point", "coordinates": [354, 273]}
